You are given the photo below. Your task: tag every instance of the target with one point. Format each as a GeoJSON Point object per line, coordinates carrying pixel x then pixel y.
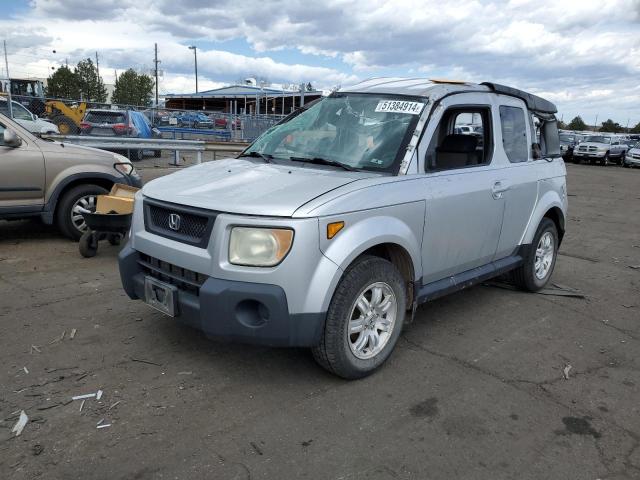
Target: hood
{"type": "Point", "coordinates": [72, 150]}
{"type": "Point", "coordinates": [247, 187]}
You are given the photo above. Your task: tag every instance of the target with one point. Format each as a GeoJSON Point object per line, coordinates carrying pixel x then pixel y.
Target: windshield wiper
{"type": "Point", "coordinates": [323, 161]}
{"type": "Point", "coordinates": [268, 158]}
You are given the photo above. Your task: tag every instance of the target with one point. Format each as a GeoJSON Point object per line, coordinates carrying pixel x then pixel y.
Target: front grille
{"type": "Point", "coordinates": [634, 155]}
{"type": "Point", "coordinates": [182, 278]}
{"type": "Point", "coordinates": [177, 222]}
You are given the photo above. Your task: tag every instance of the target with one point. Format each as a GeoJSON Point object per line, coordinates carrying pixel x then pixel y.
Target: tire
{"type": "Point", "coordinates": [136, 155]}
{"type": "Point", "coordinates": [68, 201]}
{"type": "Point", "coordinates": [337, 349]}
{"type": "Point", "coordinates": [622, 158]}
{"type": "Point", "coordinates": [605, 159]}
{"type": "Point", "coordinates": [114, 239]}
{"type": "Point", "coordinates": [88, 244]}
{"type": "Point", "coordinates": [65, 125]}
{"type": "Point", "coordinates": [157, 153]}
{"type": "Point", "coordinates": [525, 276]}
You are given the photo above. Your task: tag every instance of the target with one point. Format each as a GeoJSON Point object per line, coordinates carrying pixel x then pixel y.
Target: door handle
{"type": "Point", "coordinates": [499, 188]}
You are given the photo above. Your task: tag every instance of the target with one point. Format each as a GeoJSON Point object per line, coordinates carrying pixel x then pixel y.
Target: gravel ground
{"type": "Point", "coordinates": [475, 389]}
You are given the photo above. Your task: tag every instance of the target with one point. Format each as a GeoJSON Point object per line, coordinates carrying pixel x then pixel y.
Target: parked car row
{"type": "Point", "coordinates": [603, 148]}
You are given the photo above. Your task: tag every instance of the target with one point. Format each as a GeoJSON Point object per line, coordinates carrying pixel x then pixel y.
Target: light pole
{"type": "Point", "coordinates": [195, 57]}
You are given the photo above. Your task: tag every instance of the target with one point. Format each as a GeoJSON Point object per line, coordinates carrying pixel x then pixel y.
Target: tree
{"type": "Point", "coordinates": [90, 84]}
{"type": "Point", "coordinates": [309, 87]}
{"type": "Point", "coordinates": [63, 83]}
{"type": "Point", "coordinates": [611, 126]}
{"type": "Point", "coordinates": [577, 124]}
{"type": "Point", "coordinates": [133, 89]}
{"type": "Point", "coordinates": [636, 129]}
{"type": "Point", "coordinates": [562, 125]}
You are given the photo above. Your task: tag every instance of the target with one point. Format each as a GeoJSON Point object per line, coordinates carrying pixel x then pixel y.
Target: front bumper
{"type": "Point", "coordinates": [579, 154]}
{"type": "Point", "coordinates": [246, 312]}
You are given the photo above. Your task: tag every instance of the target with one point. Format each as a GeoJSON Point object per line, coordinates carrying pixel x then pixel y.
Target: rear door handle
{"type": "Point", "coordinates": [499, 188]}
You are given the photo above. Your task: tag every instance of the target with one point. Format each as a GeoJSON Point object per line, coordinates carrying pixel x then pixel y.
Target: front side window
{"type": "Point", "coordinates": [514, 133]}
{"type": "Point", "coordinates": [462, 139]}
{"type": "Point", "coordinates": [359, 131]}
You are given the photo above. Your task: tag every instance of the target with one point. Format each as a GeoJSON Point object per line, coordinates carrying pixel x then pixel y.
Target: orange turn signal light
{"type": "Point", "coordinates": [333, 229]}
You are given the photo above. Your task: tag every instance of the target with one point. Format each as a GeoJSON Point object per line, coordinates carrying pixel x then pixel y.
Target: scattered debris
{"type": "Point", "coordinates": [561, 291]}
{"type": "Point", "coordinates": [36, 348]}
{"type": "Point", "coordinates": [140, 360]}
{"type": "Point", "coordinates": [82, 397]}
{"type": "Point", "coordinates": [256, 448]}
{"type": "Point", "coordinates": [73, 333]}
{"type": "Point", "coordinates": [58, 339]}
{"type": "Point", "coordinates": [98, 394]}
{"type": "Point", "coordinates": [635, 267]}
{"type": "Point", "coordinates": [20, 424]}
{"type": "Point", "coordinates": [81, 405]}
{"type": "Point", "coordinates": [26, 370]}
{"type": "Point", "coordinates": [185, 373]}
{"type": "Point", "coordinates": [100, 421]}
{"type": "Point", "coordinates": [566, 370]}
{"type": "Point", "coordinates": [37, 449]}
{"type": "Point", "coordinates": [115, 404]}
{"type": "Point", "coordinates": [104, 425]}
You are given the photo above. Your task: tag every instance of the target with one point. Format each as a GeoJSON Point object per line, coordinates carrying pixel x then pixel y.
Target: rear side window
{"type": "Point", "coordinates": [514, 133]}
{"type": "Point", "coordinates": [105, 117]}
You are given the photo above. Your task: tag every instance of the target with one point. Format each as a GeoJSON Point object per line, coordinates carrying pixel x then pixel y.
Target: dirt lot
{"type": "Point", "coordinates": [475, 388]}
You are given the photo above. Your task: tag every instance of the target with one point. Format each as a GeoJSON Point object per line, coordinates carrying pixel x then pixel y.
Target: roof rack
{"type": "Point", "coordinates": [534, 103]}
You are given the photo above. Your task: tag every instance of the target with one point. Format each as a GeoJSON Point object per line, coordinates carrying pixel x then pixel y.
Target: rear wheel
{"type": "Point", "coordinates": [540, 258]}
{"type": "Point", "coordinates": [622, 159]}
{"type": "Point", "coordinates": [73, 203]}
{"type": "Point", "coordinates": [364, 320]}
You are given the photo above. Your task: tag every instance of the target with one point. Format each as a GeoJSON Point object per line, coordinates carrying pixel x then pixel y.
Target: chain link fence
{"type": "Point", "coordinates": [72, 117]}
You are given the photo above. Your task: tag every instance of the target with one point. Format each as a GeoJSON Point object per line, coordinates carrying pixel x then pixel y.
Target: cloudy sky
{"type": "Point", "coordinates": [582, 54]}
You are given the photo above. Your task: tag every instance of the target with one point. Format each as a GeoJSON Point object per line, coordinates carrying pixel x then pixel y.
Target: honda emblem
{"type": "Point", "coordinates": [174, 221]}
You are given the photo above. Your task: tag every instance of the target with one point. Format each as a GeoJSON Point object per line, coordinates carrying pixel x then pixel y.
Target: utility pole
{"type": "Point", "coordinates": [155, 63]}
{"type": "Point", "coordinates": [595, 125]}
{"type": "Point", "coordinates": [97, 65]}
{"type": "Point", "coordinates": [195, 57]}
{"type": "Point", "coordinates": [6, 67]}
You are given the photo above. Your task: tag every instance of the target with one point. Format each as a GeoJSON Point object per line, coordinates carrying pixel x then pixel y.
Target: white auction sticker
{"type": "Point", "coordinates": [399, 106]}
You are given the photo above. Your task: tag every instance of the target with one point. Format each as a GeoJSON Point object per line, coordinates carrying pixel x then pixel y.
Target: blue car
{"type": "Point", "coordinates": [194, 120]}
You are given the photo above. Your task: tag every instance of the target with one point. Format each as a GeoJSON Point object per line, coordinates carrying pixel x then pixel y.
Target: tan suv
{"type": "Point", "coordinates": [53, 180]}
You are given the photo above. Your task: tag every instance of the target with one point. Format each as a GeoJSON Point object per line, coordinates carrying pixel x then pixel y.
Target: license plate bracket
{"type": "Point", "coordinates": [161, 296]}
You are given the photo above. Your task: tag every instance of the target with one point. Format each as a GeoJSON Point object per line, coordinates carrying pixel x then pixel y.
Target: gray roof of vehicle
{"type": "Point", "coordinates": [436, 89]}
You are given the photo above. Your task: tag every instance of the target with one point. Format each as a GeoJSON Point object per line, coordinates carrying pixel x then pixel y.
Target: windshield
{"type": "Point", "coordinates": [598, 139]}
{"type": "Point", "coordinates": [105, 117]}
{"type": "Point", "coordinates": [361, 131]}
{"type": "Point", "coordinates": [566, 138]}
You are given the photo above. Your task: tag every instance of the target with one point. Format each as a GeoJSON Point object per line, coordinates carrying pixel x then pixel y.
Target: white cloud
{"type": "Point", "coordinates": [573, 50]}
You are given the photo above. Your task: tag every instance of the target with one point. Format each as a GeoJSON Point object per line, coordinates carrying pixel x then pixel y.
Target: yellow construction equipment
{"type": "Point", "coordinates": [66, 117]}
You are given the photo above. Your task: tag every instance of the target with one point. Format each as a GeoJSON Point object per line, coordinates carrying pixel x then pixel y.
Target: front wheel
{"type": "Point", "coordinates": [364, 320]}
{"type": "Point", "coordinates": [78, 200]}
{"type": "Point", "coordinates": [540, 259]}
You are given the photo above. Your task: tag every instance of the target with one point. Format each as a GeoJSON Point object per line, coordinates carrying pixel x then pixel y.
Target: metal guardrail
{"type": "Point", "coordinates": [128, 143]}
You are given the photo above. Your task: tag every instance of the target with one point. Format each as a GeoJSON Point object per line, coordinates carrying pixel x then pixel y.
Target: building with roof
{"type": "Point", "coordinates": [250, 99]}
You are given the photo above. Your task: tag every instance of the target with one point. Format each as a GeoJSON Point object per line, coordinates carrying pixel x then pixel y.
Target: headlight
{"type": "Point", "coordinates": [259, 247]}
{"type": "Point", "coordinates": [123, 165]}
